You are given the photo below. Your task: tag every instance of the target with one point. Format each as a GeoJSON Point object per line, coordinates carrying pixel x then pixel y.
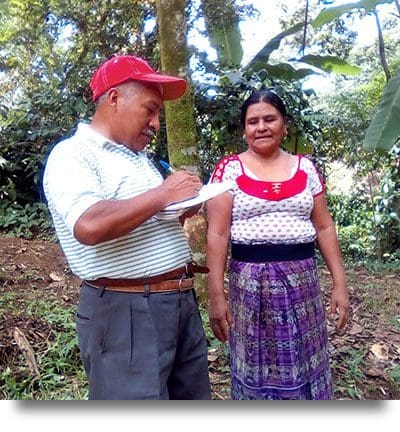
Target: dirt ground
{"type": "Point", "coordinates": [363, 357]}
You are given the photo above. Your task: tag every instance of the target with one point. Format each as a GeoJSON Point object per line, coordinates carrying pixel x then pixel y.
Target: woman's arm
{"type": "Point", "coordinates": [219, 214]}
{"type": "Point", "coordinates": [330, 250]}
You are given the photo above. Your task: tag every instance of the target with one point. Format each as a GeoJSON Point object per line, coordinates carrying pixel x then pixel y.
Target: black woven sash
{"type": "Point", "coordinates": [272, 252]}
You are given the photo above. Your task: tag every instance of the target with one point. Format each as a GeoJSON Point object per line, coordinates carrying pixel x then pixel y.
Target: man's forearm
{"type": "Point", "coordinates": [111, 219]}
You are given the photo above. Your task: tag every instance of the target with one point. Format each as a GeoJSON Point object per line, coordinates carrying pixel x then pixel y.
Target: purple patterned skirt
{"type": "Point", "coordinates": [279, 343]}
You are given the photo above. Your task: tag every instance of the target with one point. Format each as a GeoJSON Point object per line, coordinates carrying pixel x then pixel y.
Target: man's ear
{"type": "Point", "coordinates": [112, 96]}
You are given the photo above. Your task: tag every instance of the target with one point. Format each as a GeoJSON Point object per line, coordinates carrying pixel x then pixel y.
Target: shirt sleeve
{"type": "Point", "coordinates": [315, 181]}
{"type": "Point", "coordinates": [226, 169]}
{"type": "Point", "coordinates": [71, 185]}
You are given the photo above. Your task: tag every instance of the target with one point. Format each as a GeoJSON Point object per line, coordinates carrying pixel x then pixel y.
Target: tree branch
{"type": "Point", "coordinates": [398, 6]}
{"type": "Point", "coordinates": [381, 46]}
{"type": "Point", "coordinates": [303, 48]}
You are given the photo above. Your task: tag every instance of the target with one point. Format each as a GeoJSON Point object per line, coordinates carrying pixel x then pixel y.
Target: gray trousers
{"type": "Point", "coordinates": [135, 346]}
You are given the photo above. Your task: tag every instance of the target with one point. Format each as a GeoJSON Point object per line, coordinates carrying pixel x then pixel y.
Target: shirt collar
{"type": "Point", "coordinates": [87, 132]}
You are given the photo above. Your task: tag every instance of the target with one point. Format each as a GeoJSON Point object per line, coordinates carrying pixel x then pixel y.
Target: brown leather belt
{"type": "Point", "coordinates": [174, 280]}
{"type": "Point", "coordinates": [165, 286]}
{"type": "Point", "coordinates": [186, 271]}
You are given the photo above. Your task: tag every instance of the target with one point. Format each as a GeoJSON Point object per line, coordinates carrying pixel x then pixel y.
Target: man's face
{"type": "Point", "coordinates": [137, 117]}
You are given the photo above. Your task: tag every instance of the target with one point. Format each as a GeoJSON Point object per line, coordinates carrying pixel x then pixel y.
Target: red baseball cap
{"type": "Point", "coordinates": [122, 68]}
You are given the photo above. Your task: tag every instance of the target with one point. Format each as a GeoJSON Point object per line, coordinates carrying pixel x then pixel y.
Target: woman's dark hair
{"type": "Point", "coordinates": [266, 96]}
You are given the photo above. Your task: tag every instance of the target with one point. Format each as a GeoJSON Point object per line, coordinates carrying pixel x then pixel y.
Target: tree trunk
{"type": "Point", "coordinates": [182, 136]}
{"type": "Point", "coordinates": [180, 120]}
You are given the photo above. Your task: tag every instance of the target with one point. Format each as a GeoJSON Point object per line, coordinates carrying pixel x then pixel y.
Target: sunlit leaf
{"type": "Point", "coordinates": [227, 42]}
{"type": "Point", "coordinates": [331, 64]}
{"type": "Point", "coordinates": [384, 128]}
{"type": "Point", "coordinates": [329, 14]}
{"type": "Point", "coordinates": [283, 71]}
{"type": "Point", "coordinates": [223, 30]}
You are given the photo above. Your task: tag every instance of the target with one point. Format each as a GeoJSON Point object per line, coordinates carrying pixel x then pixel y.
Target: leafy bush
{"type": "Point", "coordinates": [356, 243]}
{"type": "Point", "coordinates": [368, 221]}
{"type": "Point", "coordinates": [25, 221]}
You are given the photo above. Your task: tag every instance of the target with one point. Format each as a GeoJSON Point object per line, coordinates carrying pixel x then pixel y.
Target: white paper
{"type": "Point", "coordinates": [207, 192]}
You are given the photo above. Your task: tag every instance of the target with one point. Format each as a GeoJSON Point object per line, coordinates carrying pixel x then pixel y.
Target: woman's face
{"type": "Point", "coordinates": [264, 129]}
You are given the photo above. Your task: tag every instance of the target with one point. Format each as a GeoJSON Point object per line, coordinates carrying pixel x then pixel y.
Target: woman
{"type": "Point", "coordinates": [275, 318]}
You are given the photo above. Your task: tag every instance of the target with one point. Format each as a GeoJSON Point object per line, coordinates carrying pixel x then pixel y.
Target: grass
{"type": "Point", "coordinates": [61, 374]}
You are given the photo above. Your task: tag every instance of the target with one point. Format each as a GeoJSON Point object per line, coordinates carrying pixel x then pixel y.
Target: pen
{"type": "Point", "coordinates": [166, 165]}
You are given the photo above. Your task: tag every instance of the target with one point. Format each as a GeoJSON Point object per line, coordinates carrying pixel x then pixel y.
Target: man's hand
{"type": "Point", "coordinates": [181, 185]}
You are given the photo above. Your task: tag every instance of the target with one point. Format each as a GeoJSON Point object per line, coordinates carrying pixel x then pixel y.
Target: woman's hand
{"type": "Point", "coordinates": [340, 305]}
{"type": "Point", "coordinates": [220, 318]}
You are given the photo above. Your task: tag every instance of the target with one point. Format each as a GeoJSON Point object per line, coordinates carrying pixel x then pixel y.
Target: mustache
{"type": "Point", "coordinates": [151, 133]}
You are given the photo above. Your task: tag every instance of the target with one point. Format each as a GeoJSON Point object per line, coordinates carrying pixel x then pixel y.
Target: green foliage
{"type": "Point", "coordinates": [384, 129]}
{"type": "Point", "coordinates": [331, 64]}
{"type": "Point", "coordinates": [292, 71]}
{"type": "Point", "coordinates": [60, 366]}
{"type": "Point", "coordinates": [353, 375]}
{"type": "Point", "coordinates": [219, 116]}
{"type": "Point", "coordinates": [49, 51]}
{"type": "Point", "coordinates": [222, 22]}
{"type": "Point", "coordinates": [329, 14]}
{"type": "Point", "coordinates": [368, 219]}
{"type": "Point", "coordinates": [354, 220]}
{"type": "Point", "coordinates": [41, 118]}
{"type": "Point", "coordinates": [263, 56]}
{"type": "Point", "coordinates": [26, 221]}
{"type": "Point", "coordinates": [394, 374]}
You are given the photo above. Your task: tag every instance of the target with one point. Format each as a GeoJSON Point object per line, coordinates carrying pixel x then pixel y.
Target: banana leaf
{"type": "Point", "coordinates": [263, 55]}
{"type": "Point", "coordinates": [384, 128]}
{"type": "Point", "coordinates": [331, 64]}
{"type": "Point", "coordinates": [329, 14]}
{"type": "Point", "coordinates": [222, 24]}
{"type": "Point", "coordinates": [283, 71]}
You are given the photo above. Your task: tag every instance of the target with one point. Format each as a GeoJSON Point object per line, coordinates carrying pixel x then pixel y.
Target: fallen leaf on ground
{"type": "Point", "coordinates": [356, 329]}
{"type": "Point", "coordinates": [380, 351]}
{"type": "Point", "coordinates": [56, 277]}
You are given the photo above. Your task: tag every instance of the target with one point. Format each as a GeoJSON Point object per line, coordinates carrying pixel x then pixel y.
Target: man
{"type": "Point", "coordinates": [139, 328]}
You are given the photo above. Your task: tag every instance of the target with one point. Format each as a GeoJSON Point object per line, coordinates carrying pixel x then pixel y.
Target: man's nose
{"type": "Point", "coordinates": [155, 122]}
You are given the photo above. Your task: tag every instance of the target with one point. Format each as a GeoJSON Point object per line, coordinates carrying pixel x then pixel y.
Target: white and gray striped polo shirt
{"type": "Point", "coordinates": [88, 168]}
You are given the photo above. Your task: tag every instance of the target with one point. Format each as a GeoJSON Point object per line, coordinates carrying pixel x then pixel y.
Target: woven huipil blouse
{"type": "Point", "coordinates": [271, 212]}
